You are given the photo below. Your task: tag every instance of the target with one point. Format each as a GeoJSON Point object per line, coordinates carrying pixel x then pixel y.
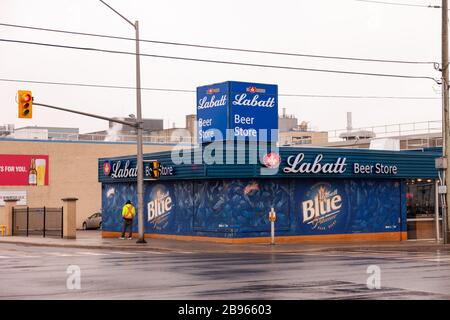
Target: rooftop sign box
{"type": "Point", "coordinates": [237, 111]}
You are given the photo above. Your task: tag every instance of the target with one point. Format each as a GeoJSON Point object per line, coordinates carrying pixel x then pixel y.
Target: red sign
{"type": "Point", "coordinates": [23, 170]}
{"type": "Point", "coordinates": [272, 160]}
{"type": "Point", "coordinates": [106, 168]}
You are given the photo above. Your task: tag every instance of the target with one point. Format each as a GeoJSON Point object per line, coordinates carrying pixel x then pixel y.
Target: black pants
{"type": "Point", "coordinates": [127, 223]}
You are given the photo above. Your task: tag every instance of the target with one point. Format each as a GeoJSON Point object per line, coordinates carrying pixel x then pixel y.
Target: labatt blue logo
{"type": "Point", "coordinates": [322, 208]}
{"type": "Point", "coordinates": [160, 206]}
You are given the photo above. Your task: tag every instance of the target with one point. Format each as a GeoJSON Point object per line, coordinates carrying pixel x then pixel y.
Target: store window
{"type": "Point", "coordinates": [420, 201]}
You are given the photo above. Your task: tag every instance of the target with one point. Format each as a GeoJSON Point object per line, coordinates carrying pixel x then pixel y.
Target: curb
{"type": "Point", "coordinates": [80, 246]}
{"type": "Point", "coordinates": [257, 250]}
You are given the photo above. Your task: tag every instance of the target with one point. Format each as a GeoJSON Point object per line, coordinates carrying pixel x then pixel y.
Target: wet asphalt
{"type": "Point", "coordinates": [42, 273]}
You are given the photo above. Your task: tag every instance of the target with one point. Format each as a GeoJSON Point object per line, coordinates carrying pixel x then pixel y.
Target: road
{"type": "Point", "coordinates": [41, 273]}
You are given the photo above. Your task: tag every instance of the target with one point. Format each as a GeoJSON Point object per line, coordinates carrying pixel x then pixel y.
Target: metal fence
{"type": "Point", "coordinates": [391, 130]}
{"type": "Point", "coordinates": [46, 222]}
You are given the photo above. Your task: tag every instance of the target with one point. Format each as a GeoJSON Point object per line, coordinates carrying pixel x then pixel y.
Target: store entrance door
{"type": "Point", "coordinates": [424, 219]}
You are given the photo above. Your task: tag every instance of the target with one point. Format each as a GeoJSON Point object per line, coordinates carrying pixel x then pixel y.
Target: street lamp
{"type": "Point", "coordinates": [140, 153]}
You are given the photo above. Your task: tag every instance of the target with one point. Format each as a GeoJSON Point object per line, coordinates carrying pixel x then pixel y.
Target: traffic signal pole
{"type": "Point", "coordinates": [127, 123]}
{"type": "Point", "coordinates": [445, 114]}
{"type": "Point", "coordinates": [138, 125]}
{"type": "Point", "coordinates": [140, 152]}
{"type": "Point", "coordinates": [140, 155]}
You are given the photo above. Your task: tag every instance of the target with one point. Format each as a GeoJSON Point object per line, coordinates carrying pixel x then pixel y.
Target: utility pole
{"type": "Point", "coordinates": [445, 102]}
{"type": "Point", "coordinates": [140, 153]}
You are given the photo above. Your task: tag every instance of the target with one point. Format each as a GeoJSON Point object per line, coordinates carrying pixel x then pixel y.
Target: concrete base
{"type": "Point", "coordinates": [358, 237]}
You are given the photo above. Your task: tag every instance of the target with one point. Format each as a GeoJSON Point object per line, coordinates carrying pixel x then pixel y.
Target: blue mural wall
{"type": "Point", "coordinates": [239, 207]}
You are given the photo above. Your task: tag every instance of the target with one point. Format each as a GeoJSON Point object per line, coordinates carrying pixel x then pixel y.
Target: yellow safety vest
{"type": "Point", "coordinates": [128, 211]}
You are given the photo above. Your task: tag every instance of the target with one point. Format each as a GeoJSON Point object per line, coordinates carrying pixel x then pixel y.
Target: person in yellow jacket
{"type": "Point", "coordinates": [128, 213]}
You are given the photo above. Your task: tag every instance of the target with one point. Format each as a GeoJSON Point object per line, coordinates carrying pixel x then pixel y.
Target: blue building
{"type": "Point", "coordinates": [317, 193]}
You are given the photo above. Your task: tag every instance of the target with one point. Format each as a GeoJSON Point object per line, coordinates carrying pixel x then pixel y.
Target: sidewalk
{"type": "Point", "coordinates": [93, 240]}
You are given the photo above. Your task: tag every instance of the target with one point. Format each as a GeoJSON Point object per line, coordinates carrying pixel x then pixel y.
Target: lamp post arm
{"type": "Point", "coordinates": [118, 13]}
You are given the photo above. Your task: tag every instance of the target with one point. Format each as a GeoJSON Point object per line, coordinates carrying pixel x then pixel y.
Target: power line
{"type": "Point", "coordinates": [224, 62]}
{"type": "Point", "coordinates": [75, 84]}
{"type": "Point", "coordinates": [401, 4]}
{"type": "Point", "coordinates": [360, 97]}
{"type": "Point", "coordinates": [219, 47]}
{"type": "Point", "coordinates": [194, 91]}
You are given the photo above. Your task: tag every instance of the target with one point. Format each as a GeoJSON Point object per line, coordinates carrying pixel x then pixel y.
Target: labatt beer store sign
{"type": "Point", "coordinates": [322, 208]}
{"type": "Point", "coordinates": [297, 164]}
{"type": "Point", "coordinates": [127, 170]}
{"type": "Point", "coordinates": [237, 110]}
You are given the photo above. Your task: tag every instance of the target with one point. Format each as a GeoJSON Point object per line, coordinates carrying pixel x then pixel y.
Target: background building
{"type": "Point", "coordinates": [119, 132]}
{"type": "Point", "coordinates": [72, 170]}
{"type": "Point", "coordinates": [291, 133]}
{"type": "Point", "coordinates": [45, 133]}
{"type": "Point", "coordinates": [6, 130]}
{"type": "Point", "coordinates": [186, 134]}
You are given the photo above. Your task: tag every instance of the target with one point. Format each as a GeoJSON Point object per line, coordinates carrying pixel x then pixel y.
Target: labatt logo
{"type": "Point", "coordinates": [205, 103]}
{"type": "Point", "coordinates": [123, 172]}
{"type": "Point", "coordinates": [160, 206]}
{"type": "Point", "coordinates": [321, 211]}
{"type": "Point", "coordinates": [255, 101]}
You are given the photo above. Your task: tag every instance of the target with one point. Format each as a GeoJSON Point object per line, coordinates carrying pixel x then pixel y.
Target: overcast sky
{"type": "Point", "coordinates": [322, 27]}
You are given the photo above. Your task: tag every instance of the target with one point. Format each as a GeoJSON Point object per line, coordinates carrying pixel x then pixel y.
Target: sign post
{"type": "Point", "coordinates": [272, 219]}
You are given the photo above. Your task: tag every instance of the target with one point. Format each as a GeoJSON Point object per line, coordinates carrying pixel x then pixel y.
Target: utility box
{"type": "Point", "coordinates": [440, 163]}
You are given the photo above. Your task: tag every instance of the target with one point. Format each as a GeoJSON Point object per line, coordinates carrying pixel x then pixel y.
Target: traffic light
{"type": "Point", "coordinates": [25, 102]}
{"type": "Point", "coordinates": [155, 169]}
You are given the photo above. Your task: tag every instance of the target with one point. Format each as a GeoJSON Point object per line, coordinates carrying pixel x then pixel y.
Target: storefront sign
{"type": "Point", "coordinates": [127, 169]}
{"type": "Point", "coordinates": [237, 110]}
{"type": "Point", "coordinates": [297, 164]}
{"type": "Point", "coordinates": [20, 195]}
{"type": "Point", "coordinates": [212, 112]}
{"type": "Point", "coordinates": [23, 170]}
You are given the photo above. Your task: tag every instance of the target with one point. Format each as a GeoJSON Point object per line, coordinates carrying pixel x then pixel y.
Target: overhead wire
{"type": "Point", "coordinates": [77, 84]}
{"type": "Point", "coordinates": [391, 75]}
{"type": "Point", "coordinates": [293, 54]}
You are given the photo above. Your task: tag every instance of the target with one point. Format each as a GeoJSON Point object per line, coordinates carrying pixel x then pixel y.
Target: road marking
{"type": "Point", "coordinates": [438, 259]}
{"type": "Point", "coordinates": [19, 256]}
{"type": "Point", "coordinates": [61, 254]}
{"type": "Point", "coordinates": [92, 253]}
{"type": "Point", "coordinates": [124, 253]}
{"type": "Point", "coordinates": [152, 252]}
{"type": "Point", "coordinates": [394, 255]}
